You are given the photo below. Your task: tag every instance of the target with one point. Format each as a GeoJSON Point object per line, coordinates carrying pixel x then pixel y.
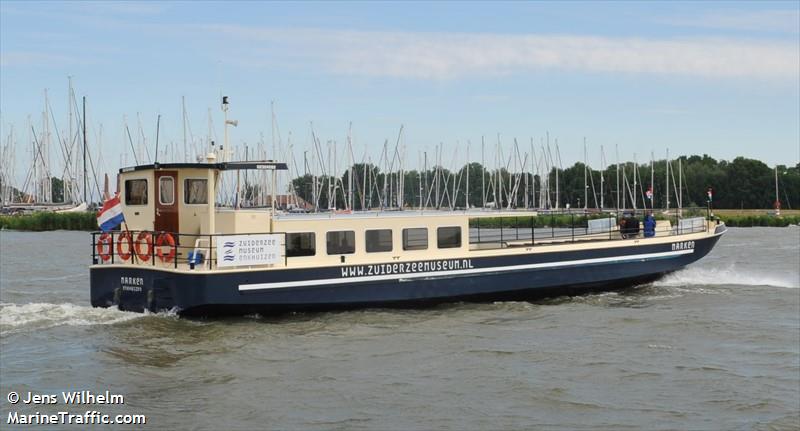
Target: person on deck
{"type": "Point", "coordinates": [649, 225]}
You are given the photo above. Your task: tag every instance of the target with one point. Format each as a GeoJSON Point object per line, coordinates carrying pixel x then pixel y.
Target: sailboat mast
{"type": "Point", "coordinates": [777, 197]}
{"type": "Point", "coordinates": [602, 174]}
{"type": "Point", "coordinates": [558, 153]}
{"type": "Point", "coordinates": [652, 186]}
{"type": "Point", "coordinates": [680, 183]}
{"type": "Point", "coordinates": [635, 166]}
{"type": "Point", "coordinates": [85, 172]}
{"type": "Point", "coordinates": [183, 110]}
{"type": "Point", "coordinates": [350, 173]}
{"type": "Point", "coordinates": [667, 170]}
{"type": "Point", "coordinates": [616, 150]}
{"type": "Point", "coordinates": [585, 186]}
{"type": "Point", "coordinates": [466, 196]}
{"type": "Point", "coordinates": [483, 172]}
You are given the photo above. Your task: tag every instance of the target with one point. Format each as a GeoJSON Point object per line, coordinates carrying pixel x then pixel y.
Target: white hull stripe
{"type": "Point", "coordinates": [456, 272]}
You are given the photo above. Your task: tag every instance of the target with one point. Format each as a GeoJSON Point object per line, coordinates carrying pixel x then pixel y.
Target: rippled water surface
{"type": "Point", "coordinates": [714, 346]}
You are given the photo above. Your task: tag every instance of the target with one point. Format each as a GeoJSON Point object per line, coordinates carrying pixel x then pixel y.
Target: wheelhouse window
{"type": "Point", "coordinates": [301, 244]}
{"type": "Point", "coordinates": [378, 240]}
{"type": "Point", "coordinates": [448, 237]}
{"type": "Point", "coordinates": [415, 239]}
{"type": "Point", "coordinates": [166, 191]}
{"type": "Point", "coordinates": [343, 242]}
{"type": "Point", "coordinates": [195, 191]}
{"type": "Point", "coordinates": [136, 192]}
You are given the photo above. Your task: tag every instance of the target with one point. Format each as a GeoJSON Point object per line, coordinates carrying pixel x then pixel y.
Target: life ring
{"type": "Point", "coordinates": [104, 247]}
{"type": "Point", "coordinates": [124, 238]}
{"type": "Point", "coordinates": [147, 238]}
{"type": "Point", "coordinates": [170, 241]}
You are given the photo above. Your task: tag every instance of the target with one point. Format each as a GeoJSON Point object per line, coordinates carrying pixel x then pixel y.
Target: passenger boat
{"type": "Point", "coordinates": [180, 250]}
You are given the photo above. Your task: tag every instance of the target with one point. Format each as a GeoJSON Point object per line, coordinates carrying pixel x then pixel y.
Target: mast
{"type": "Point", "coordinates": [225, 128]}
{"type": "Point", "coordinates": [85, 172]}
{"type": "Point", "coordinates": [350, 171]}
{"type": "Point", "coordinates": [274, 156]}
{"type": "Point", "coordinates": [419, 179]}
{"type": "Point", "coordinates": [777, 197]}
{"type": "Point", "coordinates": [483, 173]}
{"type": "Point", "coordinates": [46, 181]}
{"type": "Point", "coordinates": [158, 126]}
{"type": "Point", "coordinates": [635, 169]}
{"type": "Point", "coordinates": [183, 105]}
{"type": "Point", "coordinates": [364, 174]}
{"type": "Point", "coordinates": [425, 176]}
{"type": "Point", "coordinates": [652, 185]}
{"type": "Point", "coordinates": [585, 186]}
{"type": "Point", "coordinates": [70, 164]}
{"type": "Point", "coordinates": [527, 180]}
{"type": "Point", "coordinates": [534, 161]}
{"type": "Point", "coordinates": [616, 150]}
{"type": "Point", "coordinates": [680, 184]}
{"type": "Point", "coordinates": [467, 194]}
{"type": "Point", "coordinates": [602, 174]}
{"type": "Point", "coordinates": [667, 193]}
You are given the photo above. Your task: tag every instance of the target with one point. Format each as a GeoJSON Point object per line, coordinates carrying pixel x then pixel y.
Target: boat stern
{"type": "Point", "coordinates": [130, 289]}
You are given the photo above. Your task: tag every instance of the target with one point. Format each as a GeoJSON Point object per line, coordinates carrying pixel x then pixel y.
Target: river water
{"type": "Point", "coordinates": [714, 346]}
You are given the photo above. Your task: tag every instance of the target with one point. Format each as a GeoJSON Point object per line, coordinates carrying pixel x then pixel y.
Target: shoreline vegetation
{"type": "Point", "coordinates": [87, 221]}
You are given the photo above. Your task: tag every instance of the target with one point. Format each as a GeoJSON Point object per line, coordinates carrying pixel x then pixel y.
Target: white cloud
{"type": "Point", "coordinates": [452, 55]}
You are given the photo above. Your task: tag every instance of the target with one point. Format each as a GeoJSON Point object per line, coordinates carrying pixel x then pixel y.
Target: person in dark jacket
{"type": "Point", "coordinates": [649, 225]}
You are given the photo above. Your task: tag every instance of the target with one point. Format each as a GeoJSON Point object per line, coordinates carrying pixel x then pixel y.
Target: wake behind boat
{"type": "Point", "coordinates": [179, 251]}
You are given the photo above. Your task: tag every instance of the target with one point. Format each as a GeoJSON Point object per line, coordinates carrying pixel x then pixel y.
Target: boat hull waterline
{"type": "Point", "coordinates": [392, 284]}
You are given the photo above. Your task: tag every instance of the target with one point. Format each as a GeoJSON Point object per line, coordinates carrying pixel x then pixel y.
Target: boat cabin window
{"type": "Point", "coordinates": [136, 192]}
{"type": "Point", "coordinates": [166, 193]}
{"type": "Point", "coordinates": [415, 238]}
{"type": "Point", "coordinates": [301, 244]}
{"type": "Point", "coordinates": [378, 240]}
{"type": "Point", "coordinates": [448, 237]}
{"type": "Point", "coordinates": [343, 242]}
{"type": "Point", "coordinates": [195, 191]}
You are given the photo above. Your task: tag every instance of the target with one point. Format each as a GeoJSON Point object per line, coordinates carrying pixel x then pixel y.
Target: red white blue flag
{"type": "Point", "coordinates": [110, 216]}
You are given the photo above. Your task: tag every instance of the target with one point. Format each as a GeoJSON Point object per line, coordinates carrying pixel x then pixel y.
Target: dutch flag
{"type": "Point", "coordinates": [110, 216]}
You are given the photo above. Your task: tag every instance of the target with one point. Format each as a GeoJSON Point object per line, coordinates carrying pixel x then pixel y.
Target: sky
{"type": "Point", "coordinates": [638, 77]}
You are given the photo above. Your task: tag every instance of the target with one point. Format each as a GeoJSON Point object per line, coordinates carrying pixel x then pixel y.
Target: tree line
{"type": "Point", "coordinates": [741, 183]}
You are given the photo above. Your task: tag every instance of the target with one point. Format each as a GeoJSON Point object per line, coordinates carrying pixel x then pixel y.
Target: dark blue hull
{"type": "Point", "coordinates": [519, 277]}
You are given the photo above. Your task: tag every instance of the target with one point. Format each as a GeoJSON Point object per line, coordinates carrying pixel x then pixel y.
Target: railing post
{"type": "Point", "coordinates": [94, 249]}
{"type": "Point", "coordinates": [153, 248]}
{"type": "Point", "coordinates": [112, 247]}
{"type": "Point", "coordinates": [516, 227]}
{"type": "Point", "coordinates": [478, 223]}
{"type": "Point", "coordinates": [552, 226]}
{"type": "Point", "coordinates": [501, 232]}
{"type": "Point", "coordinates": [572, 223]}
{"type": "Point", "coordinates": [175, 247]}
{"type": "Point", "coordinates": [533, 231]}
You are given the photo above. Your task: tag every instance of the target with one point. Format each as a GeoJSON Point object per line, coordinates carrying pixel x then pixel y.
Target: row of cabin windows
{"type": "Point", "coordinates": [376, 240]}
{"type": "Point", "coordinates": [195, 191]}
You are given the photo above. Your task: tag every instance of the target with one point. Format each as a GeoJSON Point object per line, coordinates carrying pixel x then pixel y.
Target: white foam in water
{"type": "Point", "coordinates": [700, 275]}
{"type": "Point", "coordinates": [15, 317]}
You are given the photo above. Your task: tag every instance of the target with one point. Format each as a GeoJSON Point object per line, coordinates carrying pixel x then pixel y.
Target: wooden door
{"type": "Point", "coordinates": [166, 201]}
